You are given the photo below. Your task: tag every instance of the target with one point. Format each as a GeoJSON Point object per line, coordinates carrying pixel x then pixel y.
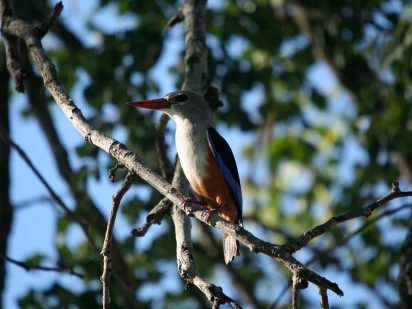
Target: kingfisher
{"type": "Point", "coordinates": [206, 158]}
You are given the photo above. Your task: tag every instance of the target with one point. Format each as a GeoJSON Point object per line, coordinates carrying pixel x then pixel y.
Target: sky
{"type": "Point", "coordinates": [34, 228]}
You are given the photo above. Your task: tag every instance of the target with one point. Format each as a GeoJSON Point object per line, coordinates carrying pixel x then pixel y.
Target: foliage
{"type": "Point", "coordinates": [324, 88]}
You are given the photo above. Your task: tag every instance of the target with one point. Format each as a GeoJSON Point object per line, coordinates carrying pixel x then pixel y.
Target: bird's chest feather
{"type": "Point", "coordinates": [193, 150]}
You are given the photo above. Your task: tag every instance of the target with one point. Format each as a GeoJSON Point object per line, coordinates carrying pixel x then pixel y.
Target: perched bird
{"type": "Point", "coordinates": [206, 158]}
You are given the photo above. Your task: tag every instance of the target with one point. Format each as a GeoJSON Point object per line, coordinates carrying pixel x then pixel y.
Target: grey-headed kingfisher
{"type": "Point", "coordinates": [206, 158]}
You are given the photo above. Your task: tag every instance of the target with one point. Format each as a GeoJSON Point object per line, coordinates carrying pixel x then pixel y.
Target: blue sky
{"type": "Point", "coordinates": [34, 228]}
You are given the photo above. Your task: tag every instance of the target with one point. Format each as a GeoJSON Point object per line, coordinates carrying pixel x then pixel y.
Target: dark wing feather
{"type": "Point", "coordinates": [227, 164]}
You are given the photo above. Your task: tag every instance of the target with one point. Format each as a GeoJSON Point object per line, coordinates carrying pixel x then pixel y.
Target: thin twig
{"type": "Point", "coordinates": [33, 201]}
{"type": "Point", "coordinates": [341, 243]}
{"type": "Point", "coordinates": [106, 250]}
{"type": "Point", "coordinates": [26, 266]}
{"type": "Point", "coordinates": [155, 216]}
{"type": "Point", "coordinates": [6, 139]}
{"type": "Point", "coordinates": [177, 18]}
{"type": "Point", "coordinates": [305, 238]}
{"type": "Point", "coordinates": [42, 29]}
{"type": "Point", "coordinates": [370, 222]}
{"type": "Point", "coordinates": [113, 170]}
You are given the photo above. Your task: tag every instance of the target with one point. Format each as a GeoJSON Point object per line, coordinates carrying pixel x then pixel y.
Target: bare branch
{"type": "Point", "coordinates": [18, 28]}
{"type": "Point", "coordinates": [155, 216]}
{"type": "Point", "coordinates": [323, 295]}
{"type": "Point", "coordinates": [196, 50]}
{"type": "Point", "coordinates": [341, 243]}
{"type": "Point", "coordinates": [42, 29]}
{"type": "Point", "coordinates": [32, 201]}
{"type": "Point", "coordinates": [11, 44]}
{"type": "Point", "coordinates": [6, 139]}
{"type": "Point", "coordinates": [295, 295]}
{"type": "Point", "coordinates": [106, 250]}
{"type": "Point", "coordinates": [304, 239]}
{"type": "Point", "coordinates": [119, 151]}
{"type": "Point", "coordinates": [26, 266]}
{"type": "Point", "coordinates": [6, 208]}
{"type": "Point", "coordinates": [177, 18]}
{"type": "Point", "coordinates": [113, 170]}
{"type": "Point", "coordinates": [370, 222]}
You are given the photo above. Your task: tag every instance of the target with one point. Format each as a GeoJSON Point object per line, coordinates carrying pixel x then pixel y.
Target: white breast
{"type": "Point", "coordinates": [192, 148]}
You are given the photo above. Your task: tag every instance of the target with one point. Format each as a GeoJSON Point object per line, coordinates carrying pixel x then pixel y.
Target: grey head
{"type": "Point", "coordinates": [180, 105]}
{"type": "Point", "coordinates": [186, 104]}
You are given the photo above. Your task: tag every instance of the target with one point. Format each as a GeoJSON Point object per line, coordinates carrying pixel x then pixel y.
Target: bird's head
{"type": "Point", "coordinates": [179, 105]}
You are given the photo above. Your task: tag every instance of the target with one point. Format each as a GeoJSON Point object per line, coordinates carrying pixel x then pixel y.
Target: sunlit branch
{"type": "Point", "coordinates": [305, 238]}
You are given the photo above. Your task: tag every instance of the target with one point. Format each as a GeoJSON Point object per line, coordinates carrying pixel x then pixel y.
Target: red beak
{"type": "Point", "coordinates": [151, 104]}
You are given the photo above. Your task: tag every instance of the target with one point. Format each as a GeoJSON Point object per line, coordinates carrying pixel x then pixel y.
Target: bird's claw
{"type": "Point", "coordinates": [210, 211]}
{"type": "Point", "coordinates": [187, 201]}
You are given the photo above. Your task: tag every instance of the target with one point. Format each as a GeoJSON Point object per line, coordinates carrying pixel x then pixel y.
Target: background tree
{"type": "Point", "coordinates": [318, 95]}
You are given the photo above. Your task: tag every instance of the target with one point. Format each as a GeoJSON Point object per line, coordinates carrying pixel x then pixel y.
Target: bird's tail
{"type": "Point", "coordinates": [230, 247]}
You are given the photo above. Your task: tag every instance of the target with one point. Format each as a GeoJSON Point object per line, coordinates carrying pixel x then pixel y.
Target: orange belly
{"type": "Point", "coordinates": [213, 190]}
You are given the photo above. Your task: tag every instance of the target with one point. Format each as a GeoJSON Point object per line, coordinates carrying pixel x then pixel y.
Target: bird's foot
{"type": "Point", "coordinates": [189, 200]}
{"type": "Point", "coordinates": [210, 211]}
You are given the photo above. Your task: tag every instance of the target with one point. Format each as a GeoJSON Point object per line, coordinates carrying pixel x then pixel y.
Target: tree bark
{"type": "Point", "coordinates": [6, 210]}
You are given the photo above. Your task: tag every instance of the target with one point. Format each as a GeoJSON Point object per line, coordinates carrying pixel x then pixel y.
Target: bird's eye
{"type": "Point", "coordinates": [181, 97]}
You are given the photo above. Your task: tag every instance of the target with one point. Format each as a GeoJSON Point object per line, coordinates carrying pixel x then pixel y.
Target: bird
{"type": "Point", "coordinates": [206, 158]}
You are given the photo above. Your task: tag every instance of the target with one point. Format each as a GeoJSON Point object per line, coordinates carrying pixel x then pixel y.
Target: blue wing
{"type": "Point", "coordinates": [227, 164]}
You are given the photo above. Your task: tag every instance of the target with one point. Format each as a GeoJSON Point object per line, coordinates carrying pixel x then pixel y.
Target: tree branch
{"type": "Point", "coordinates": [11, 44]}
{"type": "Point", "coordinates": [7, 140]}
{"type": "Point", "coordinates": [342, 242]}
{"type": "Point", "coordinates": [154, 216]}
{"type": "Point", "coordinates": [323, 295]}
{"type": "Point", "coordinates": [107, 244]}
{"type": "Point", "coordinates": [119, 151]}
{"type": "Point", "coordinates": [6, 209]}
{"type": "Point", "coordinates": [18, 28]}
{"type": "Point", "coordinates": [91, 214]}
{"type": "Point", "coordinates": [295, 295]}
{"type": "Point", "coordinates": [26, 266]}
{"type": "Point", "coordinates": [304, 239]}
{"type": "Point", "coordinates": [42, 29]}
